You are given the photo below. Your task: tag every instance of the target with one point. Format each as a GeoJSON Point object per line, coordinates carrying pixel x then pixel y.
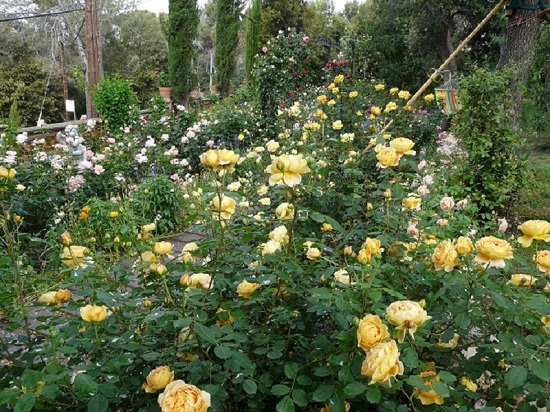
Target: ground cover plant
{"type": "Point", "coordinates": [335, 271]}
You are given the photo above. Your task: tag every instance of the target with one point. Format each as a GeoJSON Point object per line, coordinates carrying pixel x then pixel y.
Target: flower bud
{"type": "Point", "coordinates": [184, 280]}
{"type": "Point", "coordinates": [66, 238]}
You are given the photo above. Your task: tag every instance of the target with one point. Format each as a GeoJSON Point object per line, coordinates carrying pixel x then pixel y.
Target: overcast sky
{"type": "Point", "coordinates": [162, 5]}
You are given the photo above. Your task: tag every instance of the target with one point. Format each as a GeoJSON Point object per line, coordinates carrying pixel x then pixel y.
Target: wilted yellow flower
{"type": "Point", "coordinates": [245, 289]}
{"type": "Point", "coordinates": [162, 248]}
{"type": "Point", "coordinates": [73, 256]}
{"type": "Point", "coordinates": [428, 397]}
{"type": "Point", "coordinates": [66, 238]}
{"type": "Point", "coordinates": [387, 156]}
{"type": "Point", "coordinates": [179, 396]}
{"type": "Point", "coordinates": [522, 280]}
{"type": "Point", "coordinates": [403, 146]}
{"type": "Point", "coordinates": [48, 297]}
{"type": "Point", "coordinates": [452, 344]}
{"type": "Point", "coordinates": [370, 332]}
{"type": "Point", "coordinates": [91, 313]}
{"type": "Point", "coordinates": [492, 251]}
{"type": "Point", "coordinates": [406, 315]}
{"type": "Point", "coordinates": [226, 207]}
{"type": "Point", "coordinates": [445, 256]}
{"type": "Point", "coordinates": [382, 363]}
{"type": "Point", "coordinates": [534, 229]}
{"type": "Point", "coordinates": [287, 170]}
{"type": "Point", "coordinates": [543, 261]}
{"type": "Point", "coordinates": [62, 295]}
{"type": "Point", "coordinates": [158, 379]}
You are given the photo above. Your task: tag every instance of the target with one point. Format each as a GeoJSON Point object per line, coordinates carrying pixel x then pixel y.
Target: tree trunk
{"type": "Point", "coordinates": [518, 51]}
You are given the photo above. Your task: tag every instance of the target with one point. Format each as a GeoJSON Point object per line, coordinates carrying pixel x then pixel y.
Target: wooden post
{"type": "Point", "coordinates": [64, 79]}
{"type": "Point", "coordinates": [93, 52]}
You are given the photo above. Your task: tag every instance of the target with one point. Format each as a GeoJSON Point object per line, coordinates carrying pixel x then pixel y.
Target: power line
{"type": "Point", "coordinates": [34, 16]}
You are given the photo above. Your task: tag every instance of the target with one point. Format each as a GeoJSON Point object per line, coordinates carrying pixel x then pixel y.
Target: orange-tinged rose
{"type": "Point", "coordinates": [382, 363]}
{"type": "Point", "coordinates": [91, 313]}
{"type": "Point", "coordinates": [62, 296]}
{"type": "Point", "coordinates": [543, 260]}
{"type": "Point", "coordinates": [403, 146]}
{"type": "Point", "coordinates": [370, 332]}
{"type": "Point", "coordinates": [73, 256]}
{"type": "Point", "coordinates": [158, 378]}
{"type": "Point", "coordinates": [287, 170]}
{"type": "Point", "coordinates": [428, 397]}
{"type": "Point", "coordinates": [364, 256]}
{"type": "Point", "coordinates": [464, 245]}
{"type": "Point", "coordinates": [246, 289]}
{"type": "Point", "coordinates": [373, 246]}
{"type": "Point", "coordinates": [66, 238]}
{"type": "Point", "coordinates": [534, 229]}
{"type": "Point", "coordinates": [406, 315]}
{"type": "Point", "coordinates": [179, 396]}
{"type": "Point", "coordinates": [48, 297]}
{"type": "Point", "coordinates": [492, 251]}
{"type": "Point", "coordinates": [445, 256]}
{"type": "Point", "coordinates": [522, 280]}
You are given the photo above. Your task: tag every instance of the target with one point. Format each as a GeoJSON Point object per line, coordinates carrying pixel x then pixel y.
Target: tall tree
{"type": "Point", "coordinates": [228, 22]}
{"type": "Point", "coordinates": [280, 15]}
{"type": "Point", "coordinates": [252, 37]}
{"type": "Point", "coordinates": [183, 20]}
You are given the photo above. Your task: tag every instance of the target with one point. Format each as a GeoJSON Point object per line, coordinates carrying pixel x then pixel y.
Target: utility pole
{"type": "Point", "coordinates": [64, 79]}
{"type": "Point", "coordinates": [94, 61]}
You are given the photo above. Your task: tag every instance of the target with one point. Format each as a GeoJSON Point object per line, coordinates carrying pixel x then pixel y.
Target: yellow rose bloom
{"type": "Point", "coordinates": [522, 280]}
{"type": "Point", "coordinates": [403, 94]}
{"type": "Point", "coordinates": [287, 170]}
{"type": "Point", "coordinates": [370, 332]}
{"type": "Point", "coordinates": [91, 313]}
{"type": "Point", "coordinates": [428, 397]}
{"type": "Point", "coordinates": [203, 280]}
{"type": "Point", "coordinates": [375, 110]}
{"type": "Point", "coordinates": [534, 229]}
{"type": "Point", "coordinates": [220, 159]}
{"type": "Point", "coordinates": [464, 245]}
{"type": "Point", "coordinates": [364, 256]}
{"type": "Point", "coordinates": [372, 246]}
{"type": "Point", "coordinates": [73, 256]}
{"type": "Point", "coordinates": [339, 78]}
{"type": "Point", "coordinates": [445, 256]}
{"type": "Point", "coordinates": [492, 251]}
{"type": "Point", "coordinates": [8, 174]}
{"type": "Point", "coordinates": [149, 257]}
{"type": "Point", "coordinates": [158, 378]}
{"type": "Point", "coordinates": [382, 363]}
{"type": "Point", "coordinates": [245, 289]}
{"type": "Point", "coordinates": [322, 98]}
{"type": "Point", "coordinates": [342, 276]}
{"type": "Point", "coordinates": [284, 211]}
{"type": "Point", "coordinates": [148, 228]}
{"type": "Point", "coordinates": [387, 156]}
{"type": "Point", "coordinates": [162, 248]}
{"type": "Point", "coordinates": [279, 235]}
{"type": "Point", "coordinates": [337, 125]}
{"type": "Point", "coordinates": [226, 207]}
{"type": "Point", "coordinates": [326, 227]}
{"type": "Point", "coordinates": [394, 90]}
{"type": "Point", "coordinates": [179, 396]}
{"type": "Point", "coordinates": [390, 107]}
{"type": "Point", "coordinates": [353, 95]}
{"type": "Point", "coordinates": [429, 98]}
{"type": "Point", "coordinates": [313, 253]}
{"type": "Point", "coordinates": [411, 203]}
{"type": "Point", "coordinates": [113, 214]}
{"type": "Point", "coordinates": [48, 297]}
{"type": "Point", "coordinates": [62, 295]}
{"type": "Point", "coordinates": [402, 145]}
{"type": "Point", "coordinates": [543, 261]}
{"type": "Point", "coordinates": [406, 315]}
{"type": "Point", "coordinates": [379, 87]}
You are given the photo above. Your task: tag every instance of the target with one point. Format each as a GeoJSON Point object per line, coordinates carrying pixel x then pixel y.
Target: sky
{"type": "Point", "coordinates": [162, 5]}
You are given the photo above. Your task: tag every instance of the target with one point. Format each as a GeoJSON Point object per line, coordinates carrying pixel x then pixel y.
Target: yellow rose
{"type": "Point", "coordinates": [370, 332]}
{"type": "Point", "coordinates": [287, 170]}
{"type": "Point", "coordinates": [220, 159]}
{"type": "Point", "coordinates": [227, 206]}
{"type": "Point", "coordinates": [534, 229]}
{"type": "Point", "coordinates": [279, 235]}
{"type": "Point", "coordinates": [201, 279]}
{"type": "Point", "coordinates": [245, 289]}
{"type": "Point", "coordinates": [326, 408]}
{"type": "Point", "coordinates": [158, 378]}
{"type": "Point", "coordinates": [284, 211]}
{"type": "Point", "coordinates": [62, 296]}
{"type": "Point", "coordinates": [390, 107]}
{"type": "Point", "coordinates": [375, 110]}
{"type": "Point", "coordinates": [372, 246]}
{"type": "Point", "coordinates": [339, 78]}
{"type": "Point", "coordinates": [326, 227]}
{"type": "Point", "coordinates": [91, 313]}
{"type": "Point", "coordinates": [522, 280]}
{"type": "Point", "coordinates": [445, 256]}
{"type": "Point", "coordinates": [428, 397]}
{"type": "Point", "coordinates": [353, 95]}
{"type": "Point", "coordinates": [313, 253]}
{"type": "Point", "coordinates": [411, 203]}
{"type": "Point", "coordinates": [543, 261]}
{"type": "Point", "coordinates": [48, 297]}
{"type": "Point", "coordinates": [403, 94]}
{"type": "Point", "coordinates": [7, 173]}
{"type": "Point", "coordinates": [382, 363]}
{"type": "Point", "coordinates": [406, 315]}
{"type": "Point", "coordinates": [162, 248]}
{"type": "Point", "coordinates": [492, 251]}
{"type": "Point", "coordinates": [364, 256]}
{"type": "Point", "coordinates": [468, 383]}
{"type": "Point", "coordinates": [452, 344]}
{"type": "Point", "coordinates": [66, 238]}
{"type": "Point", "coordinates": [387, 156]}
{"type": "Point", "coordinates": [149, 257]}
{"type": "Point", "coordinates": [322, 98]}
{"type": "Point", "coordinates": [270, 248]}
{"type": "Point", "coordinates": [402, 145]}
{"type": "Point", "coordinates": [342, 276]}
{"type": "Point", "coordinates": [148, 228]}
{"type": "Point", "coordinates": [113, 214]}
{"type": "Point", "coordinates": [179, 396]}
{"type": "Point", "coordinates": [337, 125]}
{"type": "Point", "coordinates": [429, 98]}
{"type": "Point", "coordinates": [394, 90]}
{"type": "Point", "coordinates": [464, 245]}
{"type": "Point", "coordinates": [73, 256]}
{"type": "Point", "coordinates": [379, 87]}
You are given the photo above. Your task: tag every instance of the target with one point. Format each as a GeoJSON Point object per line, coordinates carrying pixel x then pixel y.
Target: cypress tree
{"type": "Point", "coordinates": [183, 20]}
{"type": "Point", "coordinates": [228, 14]}
{"type": "Point", "coordinates": [253, 38]}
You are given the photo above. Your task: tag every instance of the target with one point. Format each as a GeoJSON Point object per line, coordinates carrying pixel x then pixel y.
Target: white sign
{"type": "Point", "coordinates": [69, 106]}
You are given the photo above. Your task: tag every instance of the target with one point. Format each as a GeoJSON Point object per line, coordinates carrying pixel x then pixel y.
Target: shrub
{"type": "Point", "coordinates": [113, 98]}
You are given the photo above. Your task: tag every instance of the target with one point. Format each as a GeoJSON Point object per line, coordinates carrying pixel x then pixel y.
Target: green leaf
{"type": "Point", "coordinates": [98, 403]}
{"type": "Point", "coordinates": [541, 368]}
{"type": "Point", "coordinates": [285, 405]}
{"type": "Point", "coordinates": [410, 358]}
{"type": "Point", "coordinates": [323, 393]}
{"type": "Point", "coordinates": [539, 304]}
{"type": "Point", "coordinates": [242, 360]}
{"type": "Point", "coordinates": [151, 356]}
{"type": "Point", "coordinates": [206, 334]}
{"type": "Point", "coordinates": [320, 218]}
{"type": "Point", "coordinates": [250, 386]}
{"type": "Point", "coordinates": [222, 352]}
{"type": "Point", "coordinates": [50, 392]}
{"type": "Point", "coordinates": [25, 403]}
{"type": "Point", "coordinates": [354, 389]}
{"type": "Point", "coordinates": [291, 369]}
{"type": "Point", "coordinates": [515, 377]}
{"type": "Point", "coordinates": [374, 395]}
{"type": "Point", "coordinates": [500, 300]}
{"type": "Point", "coordinates": [280, 390]}
{"type": "Point", "coordinates": [440, 388]}
{"type": "Point", "coordinates": [85, 383]}
{"type": "Point", "coordinates": [446, 376]}
{"type": "Point", "coordinates": [299, 396]}
{"type": "Point", "coordinates": [462, 320]}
